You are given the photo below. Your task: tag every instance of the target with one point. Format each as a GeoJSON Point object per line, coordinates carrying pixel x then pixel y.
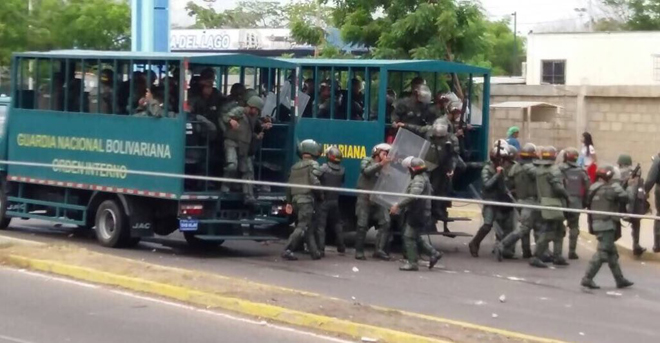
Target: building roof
{"type": "Point", "coordinates": [395, 65]}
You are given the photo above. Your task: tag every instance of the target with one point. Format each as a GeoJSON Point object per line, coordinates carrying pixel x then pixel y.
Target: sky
{"type": "Point", "coordinates": [537, 15]}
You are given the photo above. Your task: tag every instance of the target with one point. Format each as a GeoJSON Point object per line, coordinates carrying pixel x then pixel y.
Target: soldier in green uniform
{"type": "Point", "coordinates": [653, 180]}
{"type": "Point", "coordinates": [633, 185]}
{"type": "Point", "coordinates": [332, 175]}
{"type": "Point", "coordinates": [414, 108]}
{"type": "Point", "coordinates": [605, 195]}
{"type": "Point", "coordinates": [368, 211]}
{"type": "Point", "coordinates": [240, 122]}
{"type": "Point", "coordinates": [551, 193]}
{"type": "Point", "coordinates": [444, 155]}
{"type": "Point", "coordinates": [493, 176]}
{"type": "Point", "coordinates": [522, 177]}
{"type": "Point", "coordinates": [577, 184]}
{"type": "Point", "coordinates": [417, 215]}
{"type": "Point", "coordinates": [301, 200]}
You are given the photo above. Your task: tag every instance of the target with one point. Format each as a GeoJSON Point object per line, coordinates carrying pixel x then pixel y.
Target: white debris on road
{"type": "Point", "coordinates": [502, 298]}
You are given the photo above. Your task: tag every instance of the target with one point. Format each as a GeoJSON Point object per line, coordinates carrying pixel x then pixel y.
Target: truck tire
{"type": "Point", "coordinates": [4, 220]}
{"type": "Point", "coordinates": [111, 228]}
{"type": "Point", "coordinates": [200, 244]}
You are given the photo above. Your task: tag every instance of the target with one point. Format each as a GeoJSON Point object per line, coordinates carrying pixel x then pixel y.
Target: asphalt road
{"type": "Point", "coordinates": [36, 308]}
{"type": "Point", "coordinates": [548, 303]}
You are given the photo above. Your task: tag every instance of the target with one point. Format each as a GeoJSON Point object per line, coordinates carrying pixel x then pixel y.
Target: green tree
{"type": "Point", "coordinates": [500, 52]}
{"type": "Point", "coordinates": [13, 28]}
{"type": "Point", "coordinates": [247, 14]}
{"type": "Point", "coordinates": [82, 24]}
{"type": "Point", "coordinates": [308, 21]}
{"type": "Point", "coordinates": [634, 15]}
{"type": "Point", "coordinates": [63, 24]}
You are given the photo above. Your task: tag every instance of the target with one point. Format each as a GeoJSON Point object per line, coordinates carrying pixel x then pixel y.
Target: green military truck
{"type": "Point", "coordinates": [74, 112]}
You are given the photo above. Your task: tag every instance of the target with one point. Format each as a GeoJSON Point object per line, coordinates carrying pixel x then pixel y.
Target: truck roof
{"type": "Point", "coordinates": [195, 58]}
{"type": "Point", "coordinates": [436, 66]}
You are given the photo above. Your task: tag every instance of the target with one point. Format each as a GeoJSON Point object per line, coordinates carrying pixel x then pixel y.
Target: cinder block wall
{"type": "Point", "coordinates": [620, 118]}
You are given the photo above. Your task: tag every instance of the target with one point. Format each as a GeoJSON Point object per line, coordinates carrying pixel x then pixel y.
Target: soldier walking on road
{"type": "Point", "coordinates": [605, 195]}
{"type": "Point", "coordinates": [301, 200]}
{"type": "Point", "coordinates": [523, 178]}
{"type": "Point", "coordinates": [368, 211]}
{"type": "Point", "coordinates": [417, 215]}
{"type": "Point", "coordinates": [577, 184]}
{"type": "Point", "coordinates": [653, 179]}
{"type": "Point", "coordinates": [493, 177]}
{"type": "Point", "coordinates": [332, 175]}
{"type": "Point", "coordinates": [633, 185]}
{"type": "Point", "coordinates": [551, 192]}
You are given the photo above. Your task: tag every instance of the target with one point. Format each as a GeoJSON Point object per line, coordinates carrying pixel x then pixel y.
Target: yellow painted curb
{"type": "Point", "coordinates": [455, 212]}
{"type": "Point", "coordinates": [264, 311]}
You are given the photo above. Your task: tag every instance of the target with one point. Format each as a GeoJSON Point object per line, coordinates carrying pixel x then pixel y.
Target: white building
{"type": "Point", "coordinates": [597, 59]}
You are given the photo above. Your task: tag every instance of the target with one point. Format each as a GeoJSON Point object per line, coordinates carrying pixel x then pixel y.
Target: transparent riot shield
{"type": "Point", "coordinates": [395, 177]}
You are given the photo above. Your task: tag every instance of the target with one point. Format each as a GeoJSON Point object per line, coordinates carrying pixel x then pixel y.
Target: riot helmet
{"type": "Point", "coordinates": [334, 154]}
{"type": "Point", "coordinates": [309, 147]}
{"type": "Point", "coordinates": [605, 172]}
{"type": "Point", "coordinates": [529, 151]}
{"type": "Point", "coordinates": [625, 160]}
{"type": "Point", "coordinates": [571, 155]}
{"type": "Point", "coordinates": [380, 147]}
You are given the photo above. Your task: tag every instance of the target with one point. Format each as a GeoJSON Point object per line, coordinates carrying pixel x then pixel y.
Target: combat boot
{"type": "Point", "coordinates": [638, 251]}
{"type": "Point", "coordinates": [527, 253]}
{"type": "Point", "coordinates": [621, 282]}
{"type": "Point", "coordinates": [382, 255]}
{"type": "Point", "coordinates": [476, 240]}
{"type": "Point", "coordinates": [536, 262]}
{"type": "Point", "coordinates": [498, 252]}
{"type": "Point", "coordinates": [341, 250]}
{"type": "Point", "coordinates": [409, 267]}
{"type": "Point", "coordinates": [288, 255]}
{"type": "Point", "coordinates": [434, 259]}
{"type": "Point", "coordinates": [359, 247]}
{"type": "Point", "coordinates": [573, 256]}
{"type": "Point", "coordinates": [560, 261]}
{"type": "Point", "coordinates": [589, 283]}
{"type": "Point", "coordinates": [572, 246]}
{"type": "Point", "coordinates": [316, 256]}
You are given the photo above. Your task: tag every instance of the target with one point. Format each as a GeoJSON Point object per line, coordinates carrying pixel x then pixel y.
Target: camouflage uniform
{"type": "Point", "coordinates": [237, 145]}
{"type": "Point", "coordinates": [605, 196]}
{"type": "Point", "coordinates": [523, 176]}
{"type": "Point", "coordinates": [368, 211]}
{"type": "Point", "coordinates": [332, 175]}
{"type": "Point", "coordinates": [417, 214]}
{"type": "Point", "coordinates": [305, 172]}
{"type": "Point", "coordinates": [443, 154]}
{"type": "Point", "coordinates": [408, 110]}
{"type": "Point", "coordinates": [577, 183]}
{"type": "Point", "coordinates": [494, 189]}
{"type": "Point", "coordinates": [551, 192]}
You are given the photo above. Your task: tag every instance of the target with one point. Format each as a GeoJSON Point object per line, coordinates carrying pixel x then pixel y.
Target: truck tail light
{"type": "Point", "coordinates": [192, 210]}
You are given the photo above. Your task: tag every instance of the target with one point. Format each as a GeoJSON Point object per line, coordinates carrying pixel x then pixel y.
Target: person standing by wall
{"type": "Point", "coordinates": [588, 157]}
{"type": "Point", "coordinates": [512, 137]}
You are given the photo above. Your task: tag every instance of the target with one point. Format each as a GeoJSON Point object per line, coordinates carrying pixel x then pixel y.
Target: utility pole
{"type": "Point", "coordinates": [515, 43]}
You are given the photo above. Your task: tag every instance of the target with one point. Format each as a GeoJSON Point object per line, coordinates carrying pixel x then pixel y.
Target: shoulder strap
{"type": "Point", "coordinates": [593, 194]}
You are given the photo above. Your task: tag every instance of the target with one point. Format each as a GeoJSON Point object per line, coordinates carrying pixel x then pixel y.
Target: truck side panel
{"type": "Point", "coordinates": [101, 141]}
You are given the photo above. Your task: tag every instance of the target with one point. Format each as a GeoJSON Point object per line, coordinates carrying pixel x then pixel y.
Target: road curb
{"type": "Point", "coordinates": [464, 213]}
{"type": "Point", "coordinates": [209, 300]}
{"type": "Point", "coordinates": [648, 256]}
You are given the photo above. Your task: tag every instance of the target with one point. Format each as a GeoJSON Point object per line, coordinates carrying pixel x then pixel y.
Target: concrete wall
{"type": "Point", "coordinates": [605, 58]}
{"type": "Point", "coordinates": [620, 119]}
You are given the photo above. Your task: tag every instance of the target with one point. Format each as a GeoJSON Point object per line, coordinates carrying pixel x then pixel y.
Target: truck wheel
{"type": "Point", "coordinates": [111, 228]}
{"type": "Point", "coordinates": [200, 244]}
{"type": "Point", "coordinates": [4, 220]}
